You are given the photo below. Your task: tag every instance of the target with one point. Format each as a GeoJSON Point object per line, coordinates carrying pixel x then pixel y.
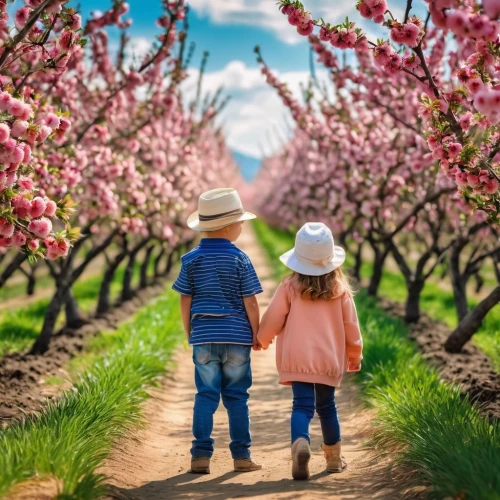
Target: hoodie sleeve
{"type": "Point", "coordinates": [354, 342]}
{"type": "Point", "coordinates": [274, 318]}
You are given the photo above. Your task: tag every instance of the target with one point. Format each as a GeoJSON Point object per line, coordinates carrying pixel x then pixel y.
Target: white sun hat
{"type": "Point", "coordinates": [218, 208]}
{"type": "Point", "coordinates": [315, 253]}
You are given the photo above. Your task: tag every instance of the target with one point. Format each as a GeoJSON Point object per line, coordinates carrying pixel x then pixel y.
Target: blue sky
{"type": "Point", "coordinates": [255, 121]}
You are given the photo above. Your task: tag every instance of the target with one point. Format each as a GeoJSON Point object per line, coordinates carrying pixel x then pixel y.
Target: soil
{"type": "Point", "coordinates": [470, 368]}
{"type": "Point", "coordinates": [22, 377]}
{"type": "Point", "coordinates": [154, 463]}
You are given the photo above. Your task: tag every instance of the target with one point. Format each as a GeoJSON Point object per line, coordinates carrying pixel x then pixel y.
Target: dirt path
{"type": "Point", "coordinates": [154, 463]}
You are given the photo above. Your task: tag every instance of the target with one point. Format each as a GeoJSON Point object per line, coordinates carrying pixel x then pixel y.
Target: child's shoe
{"type": "Point", "coordinates": [246, 465]}
{"type": "Point", "coordinates": [335, 462]}
{"type": "Point", "coordinates": [301, 454]}
{"type": "Point", "coordinates": [200, 465]}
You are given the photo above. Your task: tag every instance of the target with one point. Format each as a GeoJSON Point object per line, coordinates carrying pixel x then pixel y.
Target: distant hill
{"type": "Point", "coordinates": [249, 166]}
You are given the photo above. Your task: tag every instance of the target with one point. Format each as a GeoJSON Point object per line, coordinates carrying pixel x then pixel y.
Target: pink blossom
{"type": "Point", "coordinates": [458, 22]}
{"type": "Point", "coordinates": [50, 209]}
{"type": "Point", "coordinates": [305, 30]}
{"type": "Point", "coordinates": [52, 121]}
{"type": "Point", "coordinates": [4, 132]}
{"type": "Point", "coordinates": [17, 155]}
{"type": "Point", "coordinates": [382, 53]}
{"type": "Point", "coordinates": [473, 180]}
{"type": "Point", "coordinates": [16, 108]}
{"type": "Point", "coordinates": [76, 22]}
{"type": "Point", "coordinates": [479, 26]}
{"type": "Point", "coordinates": [9, 145]}
{"type": "Point", "coordinates": [324, 34]}
{"type": "Point", "coordinates": [492, 8]}
{"type": "Point", "coordinates": [21, 205]}
{"type": "Point", "coordinates": [461, 179]}
{"type": "Point", "coordinates": [491, 187]}
{"type": "Point", "coordinates": [37, 207]}
{"type": "Point", "coordinates": [43, 133]}
{"type": "Point", "coordinates": [5, 242]}
{"type": "Point", "coordinates": [65, 124]}
{"type": "Point", "coordinates": [295, 17]}
{"type": "Point", "coordinates": [378, 7]}
{"type": "Point", "coordinates": [474, 85]}
{"type": "Point", "coordinates": [18, 239]}
{"type": "Point", "coordinates": [454, 149]}
{"type": "Point", "coordinates": [33, 245]}
{"type": "Point", "coordinates": [465, 120]}
{"type": "Point", "coordinates": [19, 128]}
{"type": "Point", "coordinates": [21, 17]}
{"type": "Point", "coordinates": [40, 227]}
{"type": "Point", "coordinates": [6, 228]}
{"type": "Point", "coordinates": [27, 154]}
{"type": "Point", "coordinates": [5, 100]}
{"type": "Point", "coordinates": [365, 11]}
{"type": "Point", "coordinates": [25, 183]}
{"type": "Point", "coordinates": [379, 19]}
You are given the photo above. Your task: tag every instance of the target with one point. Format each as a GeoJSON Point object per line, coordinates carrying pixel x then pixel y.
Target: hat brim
{"type": "Point", "coordinates": [194, 221]}
{"type": "Point", "coordinates": [290, 260]}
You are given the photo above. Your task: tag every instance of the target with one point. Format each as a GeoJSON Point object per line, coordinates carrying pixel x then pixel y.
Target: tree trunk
{"type": "Point", "coordinates": [12, 267]}
{"type": "Point", "coordinates": [104, 301]}
{"type": "Point", "coordinates": [378, 269]}
{"type": "Point", "coordinates": [471, 323]}
{"type": "Point", "coordinates": [30, 289]}
{"type": "Point", "coordinates": [127, 292]}
{"type": "Point", "coordinates": [157, 263]}
{"type": "Point", "coordinates": [73, 316]}
{"type": "Point", "coordinates": [459, 286]}
{"type": "Point", "coordinates": [54, 308]}
{"type": "Point", "coordinates": [143, 283]}
{"type": "Point", "coordinates": [170, 262]}
{"type": "Point", "coordinates": [412, 308]}
{"type": "Point", "coordinates": [358, 262]}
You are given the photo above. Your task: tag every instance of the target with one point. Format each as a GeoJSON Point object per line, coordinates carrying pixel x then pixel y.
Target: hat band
{"type": "Point", "coordinates": [315, 262]}
{"type": "Point", "coordinates": [207, 218]}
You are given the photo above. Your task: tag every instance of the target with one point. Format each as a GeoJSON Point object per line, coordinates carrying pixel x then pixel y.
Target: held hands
{"type": "Point", "coordinates": [354, 365]}
{"type": "Point", "coordinates": [257, 346]}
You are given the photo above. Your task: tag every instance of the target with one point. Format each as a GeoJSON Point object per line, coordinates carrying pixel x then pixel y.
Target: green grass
{"type": "Point", "coordinates": [71, 437]}
{"type": "Point", "coordinates": [425, 424]}
{"type": "Point", "coordinates": [437, 302]}
{"type": "Point", "coordinates": [20, 327]}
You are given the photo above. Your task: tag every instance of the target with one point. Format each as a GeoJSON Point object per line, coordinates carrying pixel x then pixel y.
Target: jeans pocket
{"type": "Point", "coordinates": [202, 353]}
{"type": "Point", "coordinates": [238, 354]}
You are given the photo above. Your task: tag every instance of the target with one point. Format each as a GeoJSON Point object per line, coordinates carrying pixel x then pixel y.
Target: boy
{"type": "Point", "coordinates": [220, 313]}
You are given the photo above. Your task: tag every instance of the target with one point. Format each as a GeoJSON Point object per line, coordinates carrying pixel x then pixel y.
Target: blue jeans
{"type": "Point", "coordinates": [304, 405]}
{"type": "Point", "coordinates": [222, 369]}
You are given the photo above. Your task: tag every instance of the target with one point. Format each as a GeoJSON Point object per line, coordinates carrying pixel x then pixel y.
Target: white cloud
{"type": "Point", "coordinates": [265, 14]}
{"type": "Point", "coordinates": [255, 121]}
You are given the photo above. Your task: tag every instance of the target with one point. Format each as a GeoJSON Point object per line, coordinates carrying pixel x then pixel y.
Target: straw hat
{"type": "Point", "coordinates": [218, 208]}
{"type": "Point", "coordinates": [315, 253]}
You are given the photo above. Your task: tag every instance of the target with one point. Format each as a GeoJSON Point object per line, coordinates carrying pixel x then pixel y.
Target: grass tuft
{"type": "Point", "coordinates": [71, 436]}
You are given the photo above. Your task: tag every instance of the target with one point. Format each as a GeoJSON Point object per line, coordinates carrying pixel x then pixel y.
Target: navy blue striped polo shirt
{"type": "Point", "coordinates": [218, 275]}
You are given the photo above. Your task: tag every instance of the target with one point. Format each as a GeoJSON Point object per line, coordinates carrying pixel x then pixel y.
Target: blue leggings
{"type": "Point", "coordinates": [308, 397]}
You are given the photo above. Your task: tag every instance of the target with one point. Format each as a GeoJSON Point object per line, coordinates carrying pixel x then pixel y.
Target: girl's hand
{"type": "Point", "coordinates": [353, 366]}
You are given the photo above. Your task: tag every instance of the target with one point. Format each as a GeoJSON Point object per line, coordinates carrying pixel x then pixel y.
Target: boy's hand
{"type": "Point", "coordinates": [353, 365]}
{"type": "Point", "coordinates": [257, 346]}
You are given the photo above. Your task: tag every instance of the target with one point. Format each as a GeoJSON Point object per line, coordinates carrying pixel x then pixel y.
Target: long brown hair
{"type": "Point", "coordinates": [328, 286]}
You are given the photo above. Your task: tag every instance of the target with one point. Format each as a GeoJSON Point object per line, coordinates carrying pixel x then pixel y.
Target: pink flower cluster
{"type": "Point", "coordinates": [373, 9]}
{"type": "Point", "coordinates": [340, 37]}
{"type": "Point", "coordinates": [406, 34]}
{"type": "Point", "coordinates": [299, 18]}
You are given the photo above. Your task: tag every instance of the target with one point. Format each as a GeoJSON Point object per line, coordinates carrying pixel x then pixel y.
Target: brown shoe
{"type": "Point", "coordinates": [335, 462]}
{"type": "Point", "coordinates": [200, 465]}
{"type": "Point", "coordinates": [246, 465]}
{"type": "Point", "coordinates": [301, 454]}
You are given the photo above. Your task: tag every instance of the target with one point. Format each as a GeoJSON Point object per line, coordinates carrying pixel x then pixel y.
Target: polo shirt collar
{"type": "Point", "coordinates": [215, 242]}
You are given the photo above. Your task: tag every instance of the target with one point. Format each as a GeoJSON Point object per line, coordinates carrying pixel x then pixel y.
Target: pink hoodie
{"type": "Point", "coordinates": [316, 338]}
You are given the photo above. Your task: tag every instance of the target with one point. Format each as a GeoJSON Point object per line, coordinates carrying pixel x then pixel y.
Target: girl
{"type": "Point", "coordinates": [314, 316]}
